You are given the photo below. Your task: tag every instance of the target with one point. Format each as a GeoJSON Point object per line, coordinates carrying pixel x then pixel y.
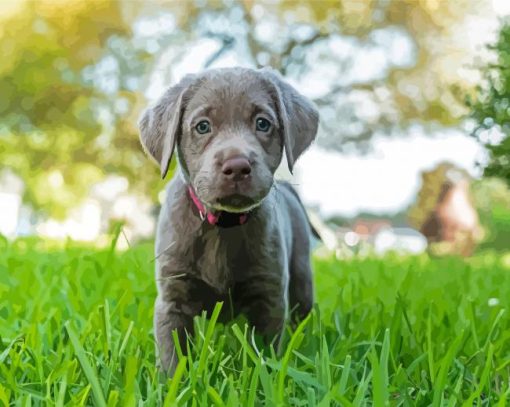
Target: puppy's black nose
{"type": "Point", "coordinates": [236, 169]}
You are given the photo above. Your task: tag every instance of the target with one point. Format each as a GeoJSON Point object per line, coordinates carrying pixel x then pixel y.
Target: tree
{"type": "Point", "coordinates": [491, 109]}
{"type": "Point", "coordinates": [384, 65]}
{"type": "Point", "coordinates": [52, 105]}
{"type": "Point", "coordinates": [74, 72]}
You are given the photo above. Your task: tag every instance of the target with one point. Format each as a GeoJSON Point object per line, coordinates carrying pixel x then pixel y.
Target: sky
{"type": "Point", "coordinates": [386, 180]}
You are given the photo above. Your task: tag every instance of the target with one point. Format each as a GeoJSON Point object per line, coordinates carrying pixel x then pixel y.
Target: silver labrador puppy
{"type": "Point", "coordinates": [228, 231]}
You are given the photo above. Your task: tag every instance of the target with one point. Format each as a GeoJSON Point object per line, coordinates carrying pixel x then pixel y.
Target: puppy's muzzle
{"type": "Point", "coordinates": [236, 169]}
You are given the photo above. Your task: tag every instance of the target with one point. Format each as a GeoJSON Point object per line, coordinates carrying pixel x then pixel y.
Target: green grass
{"type": "Point", "coordinates": [75, 328]}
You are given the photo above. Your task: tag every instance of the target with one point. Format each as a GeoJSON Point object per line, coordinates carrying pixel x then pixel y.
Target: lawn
{"type": "Point", "coordinates": [75, 329]}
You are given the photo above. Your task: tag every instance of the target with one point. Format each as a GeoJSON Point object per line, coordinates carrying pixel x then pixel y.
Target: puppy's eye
{"type": "Point", "coordinates": [203, 127]}
{"type": "Point", "coordinates": [263, 125]}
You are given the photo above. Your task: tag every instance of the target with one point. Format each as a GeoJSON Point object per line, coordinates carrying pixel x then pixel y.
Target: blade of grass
{"type": "Point", "coordinates": [456, 392]}
{"type": "Point", "coordinates": [215, 397]}
{"type": "Point", "coordinates": [345, 375]}
{"type": "Point", "coordinates": [126, 338]}
{"type": "Point", "coordinates": [244, 342]}
{"type": "Point", "coordinates": [106, 327]}
{"type": "Point", "coordinates": [294, 342]}
{"type": "Point", "coordinates": [89, 372]}
{"type": "Point", "coordinates": [444, 368]}
{"type": "Point", "coordinates": [171, 397]}
{"type": "Point", "coordinates": [493, 328]}
{"type": "Point", "coordinates": [208, 335]}
{"type": "Point", "coordinates": [362, 389]}
{"type": "Point", "coordinates": [252, 393]}
{"type": "Point", "coordinates": [430, 349]}
{"type": "Point", "coordinates": [483, 379]}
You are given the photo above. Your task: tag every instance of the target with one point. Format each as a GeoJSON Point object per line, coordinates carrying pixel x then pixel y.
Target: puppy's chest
{"type": "Point", "coordinates": [221, 259]}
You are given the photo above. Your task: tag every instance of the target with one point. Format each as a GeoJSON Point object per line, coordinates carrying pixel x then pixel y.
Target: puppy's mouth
{"type": "Point", "coordinates": [235, 203]}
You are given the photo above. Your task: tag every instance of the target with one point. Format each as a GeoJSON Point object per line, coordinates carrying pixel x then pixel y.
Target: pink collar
{"type": "Point", "coordinates": [219, 218]}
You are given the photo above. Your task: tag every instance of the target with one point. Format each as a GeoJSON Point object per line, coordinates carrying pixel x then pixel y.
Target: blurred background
{"type": "Point", "coordinates": [413, 152]}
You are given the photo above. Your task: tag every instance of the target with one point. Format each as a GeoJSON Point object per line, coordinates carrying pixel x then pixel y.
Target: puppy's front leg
{"type": "Point", "coordinates": [264, 301]}
{"type": "Point", "coordinates": [168, 316]}
{"type": "Point", "coordinates": [175, 308]}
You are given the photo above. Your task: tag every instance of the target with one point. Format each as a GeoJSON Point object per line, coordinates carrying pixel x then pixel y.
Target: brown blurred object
{"type": "Point", "coordinates": [453, 226]}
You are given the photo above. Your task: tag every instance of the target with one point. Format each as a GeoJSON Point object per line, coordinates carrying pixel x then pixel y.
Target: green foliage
{"type": "Point", "coordinates": [492, 200]}
{"type": "Point", "coordinates": [66, 86]}
{"type": "Point", "coordinates": [411, 331]}
{"type": "Point", "coordinates": [491, 108]}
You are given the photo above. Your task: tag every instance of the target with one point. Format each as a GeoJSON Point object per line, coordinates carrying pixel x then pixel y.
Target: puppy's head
{"type": "Point", "coordinates": [229, 127]}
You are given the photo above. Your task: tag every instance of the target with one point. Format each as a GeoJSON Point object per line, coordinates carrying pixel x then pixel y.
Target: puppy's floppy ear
{"type": "Point", "coordinates": [299, 117]}
{"type": "Point", "coordinates": [160, 124]}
